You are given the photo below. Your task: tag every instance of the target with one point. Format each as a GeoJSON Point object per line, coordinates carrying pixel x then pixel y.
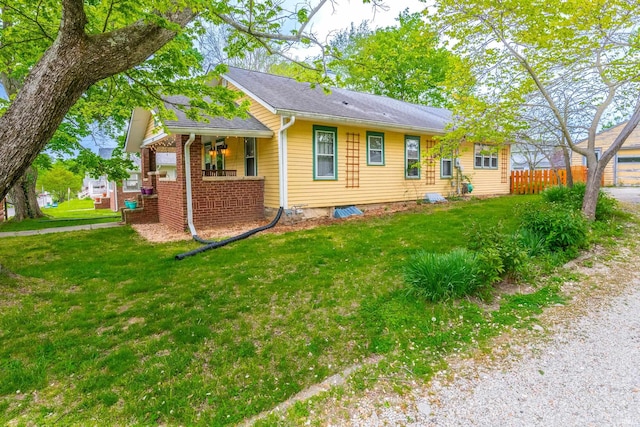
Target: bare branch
{"type": "Point", "coordinates": [263, 35]}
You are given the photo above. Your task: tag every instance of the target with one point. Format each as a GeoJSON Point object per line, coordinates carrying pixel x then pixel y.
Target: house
{"type": "Point", "coordinates": [624, 168]}
{"type": "Point", "coordinates": [531, 157]}
{"type": "Point", "coordinates": [301, 149]}
{"type": "Point", "coordinates": [111, 194]}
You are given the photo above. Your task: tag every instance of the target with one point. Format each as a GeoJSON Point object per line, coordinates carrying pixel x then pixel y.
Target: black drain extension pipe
{"type": "Point", "coordinates": [214, 245]}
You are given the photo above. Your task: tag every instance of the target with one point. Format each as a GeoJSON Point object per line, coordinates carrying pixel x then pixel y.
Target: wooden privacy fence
{"type": "Point", "coordinates": [533, 182]}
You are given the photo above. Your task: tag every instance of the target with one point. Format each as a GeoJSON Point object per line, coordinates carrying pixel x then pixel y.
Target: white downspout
{"type": "Point", "coordinates": [283, 168]}
{"type": "Point", "coordinates": [115, 195]}
{"type": "Point", "coordinates": [187, 173]}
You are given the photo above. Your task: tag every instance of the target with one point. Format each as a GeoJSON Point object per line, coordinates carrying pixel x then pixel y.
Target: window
{"type": "Point", "coordinates": [250, 163]}
{"type": "Point", "coordinates": [446, 167]}
{"type": "Point", "coordinates": [412, 157]}
{"type": "Point", "coordinates": [324, 152]}
{"type": "Point", "coordinates": [628, 159]}
{"type": "Point", "coordinates": [132, 183]}
{"type": "Point", "coordinates": [219, 158]}
{"type": "Point", "coordinates": [209, 155]}
{"type": "Point", "coordinates": [375, 148]}
{"type": "Point", "coordinates": [486, 157]}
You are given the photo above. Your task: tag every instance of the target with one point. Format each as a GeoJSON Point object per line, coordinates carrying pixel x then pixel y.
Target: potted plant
{"type": "Point", "coordinates": [131, 203]}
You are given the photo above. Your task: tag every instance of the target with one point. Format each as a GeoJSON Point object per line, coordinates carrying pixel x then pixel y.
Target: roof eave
{"type": "Point", "coordinates": [348, 121]}
{"type": "Point", "coordinates": [137, 129]}
{"type": "Point", "coordinates": [221, 132]}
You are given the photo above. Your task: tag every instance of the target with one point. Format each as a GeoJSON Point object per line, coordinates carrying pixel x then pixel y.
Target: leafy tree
{"type": "Point", "coordinates": [59, 180]}
{"type": "Point", "coordinates": [76, 62]}
{"type": "Point", "coordinates": [403, 62]}
{"type": "Point", "coordinates": [522, 52]}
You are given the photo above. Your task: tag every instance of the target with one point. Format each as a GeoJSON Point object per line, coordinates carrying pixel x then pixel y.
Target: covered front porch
{"type": "Point", "coordinates": [204, 180]}
{"type": "Point", "coordinates": [202, 173]}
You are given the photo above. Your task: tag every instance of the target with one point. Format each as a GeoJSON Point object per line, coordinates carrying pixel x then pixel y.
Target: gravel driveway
{"type": "Point", "coordinates": [589, 375]}
{"type": "Point", "coordinates": [624, 194]}
{"type": "Point", "coordinates": [579, 367]}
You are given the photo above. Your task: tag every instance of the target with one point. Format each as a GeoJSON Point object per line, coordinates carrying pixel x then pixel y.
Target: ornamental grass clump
{"type": "Point", "coordinates": [438, 277]}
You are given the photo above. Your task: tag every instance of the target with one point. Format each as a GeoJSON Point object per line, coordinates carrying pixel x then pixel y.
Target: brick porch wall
{"type": "Point", "coordinates": [217, 201]}
{"type": "Point", "coordinates": [104, 203]}
{"type": "Point", "coordinates": [145, 213]}
{"type": "Point", "coordinates": [227, 201]}
{"type": "Point", "coordinates": [223, 200]}
{"type": "Point", "coordinates": [172, 204]}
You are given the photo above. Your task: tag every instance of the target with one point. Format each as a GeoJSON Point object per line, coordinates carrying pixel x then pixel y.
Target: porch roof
{"type": "Point", "coordinates": [217, 126]}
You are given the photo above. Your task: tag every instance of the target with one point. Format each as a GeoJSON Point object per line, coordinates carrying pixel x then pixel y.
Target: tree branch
{"type": "Point", "coordinates": [74, 19]}
{"type": "Point", "coordinates": [27, 17]}
{"type": "Point", "coordinates": [260, 34]}
{"type": "Point", "coordinates": [534, 76]}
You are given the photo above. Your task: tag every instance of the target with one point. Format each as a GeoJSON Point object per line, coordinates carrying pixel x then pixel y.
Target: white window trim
{"type": "Point", "coordinates": [334, 131]}
{"type": "Point", "coordinates": [406, 157]}
{"type": "Point", "coordinates": [369, 149]}
{"type": "Point", "coordinates": [482, 157]}
{"type": "Point", "coordinates": [254, 157]}
{"type": "Point", "coordinates": [446, 159]}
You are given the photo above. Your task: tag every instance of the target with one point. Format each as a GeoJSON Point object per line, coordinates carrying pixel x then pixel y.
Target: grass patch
{"type": "Point", "coordinates": [73, 212]}
{"type": "Point", "coordinates": [103, 325]}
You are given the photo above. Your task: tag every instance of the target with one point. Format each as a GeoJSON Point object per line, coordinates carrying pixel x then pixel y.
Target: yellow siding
{"type": "Point", "coordinates": [152, 129]}
{"type": "Point", "coordinates": [604, 141]}
{"type": "Point", "coordinates": [267, 152]}
{"type": "Point", "coordinates": [377, 184]}
{"type": "Point", "coordinates": [234, 158]}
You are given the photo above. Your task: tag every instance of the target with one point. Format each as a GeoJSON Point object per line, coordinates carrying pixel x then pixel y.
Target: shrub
{"type": "Point", "coordinates": [562, 227]}
{"type": "Point", "coordinates": [501, 254]}
{"type": "Point", "coordinates": [437, 277]}
{"type": "Point", "coordinates": [573, 197]}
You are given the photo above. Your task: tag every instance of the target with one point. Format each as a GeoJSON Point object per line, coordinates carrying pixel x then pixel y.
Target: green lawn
{"type": "Point", "coordinates": [106, 328]}
{"type": "Point", "coordinates": [73, 212]}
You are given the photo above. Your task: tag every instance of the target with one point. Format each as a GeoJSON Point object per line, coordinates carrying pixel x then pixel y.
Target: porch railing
{"type": "Point", "coordinates": [219, 172]}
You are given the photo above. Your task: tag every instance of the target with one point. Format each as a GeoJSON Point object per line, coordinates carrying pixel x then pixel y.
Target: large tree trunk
{"type": "Point", "coordinates": [23, 195]}
{"type": "Point", "coordinates": [68, 68]}
{"type": "Point", "coordinates": [592, 191]}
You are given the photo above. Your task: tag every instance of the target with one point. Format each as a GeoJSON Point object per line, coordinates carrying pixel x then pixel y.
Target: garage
{"type": "Point", "coordinates": [627, 169]}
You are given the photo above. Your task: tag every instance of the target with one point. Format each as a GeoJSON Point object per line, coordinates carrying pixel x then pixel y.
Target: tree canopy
{"type": "Point", "coordinates": [405, 62]}
{"type": "Point", "coordinates": [573, 63]}
{"type": "Point", "coordinates": [59, 180]}
{"type": "Point", "coordinates": [71, 63]}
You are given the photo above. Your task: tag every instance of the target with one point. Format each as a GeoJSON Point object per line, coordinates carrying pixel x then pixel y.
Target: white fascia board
{"type": "Point", "coordinates": [155, 138]}
{"type": "Point", "coordinates": [367, 123]}
{"type": "Point", "coordinates": [222, 132]}
{"type": "Point", "coordinates": [251, 95]}
{"type": "Point", "coordinates": [136, 130]}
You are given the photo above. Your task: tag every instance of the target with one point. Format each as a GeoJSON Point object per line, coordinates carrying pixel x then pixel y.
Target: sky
{"type": "Point", "coordinates": [344, 12]}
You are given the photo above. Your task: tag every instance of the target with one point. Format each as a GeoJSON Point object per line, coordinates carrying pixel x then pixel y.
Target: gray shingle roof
{"type": "Point", "coordinates": [215, 123]}
{"type": "Point", "coordinates": [286, 95]}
